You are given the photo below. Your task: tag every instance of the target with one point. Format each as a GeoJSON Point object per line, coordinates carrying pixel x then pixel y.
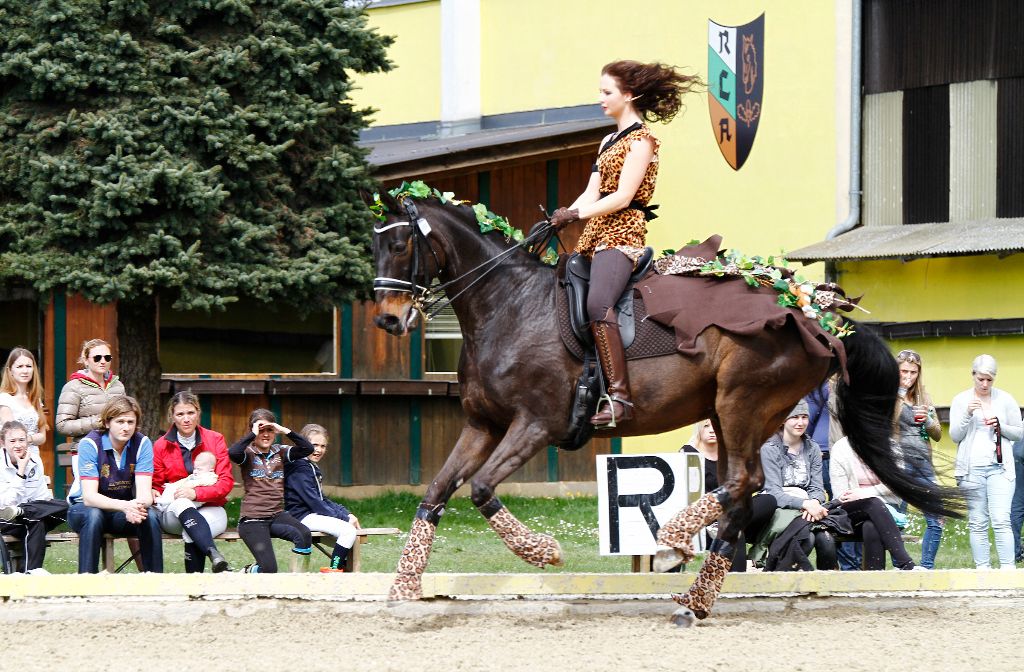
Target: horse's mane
{"type": "Point", "coordinates": [467, 215]}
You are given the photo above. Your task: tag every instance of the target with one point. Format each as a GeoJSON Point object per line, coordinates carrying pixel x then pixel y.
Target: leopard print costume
{"type": "Point", "coordinates": [537, 549]}
{"type": "Point", "coordinates": [706, 587]}
{"type": "Point", "coordinates": [625, 230]}
{"type": "Point", "coordinates": [678, 532]}
{"type": "Point", "coordinates": [408, 583]}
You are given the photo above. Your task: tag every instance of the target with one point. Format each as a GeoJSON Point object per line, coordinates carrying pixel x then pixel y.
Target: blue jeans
{"type": "Point", "coordinates": [933, 525]}
{"type": "Point", "coordinates": [1017, 506]}
{"type": "Point", "coordinates": [90, 523]}
{"type": "Point", "coordinates": [989, 494]}
{"type": "Point", "coordinates": [850, 555]}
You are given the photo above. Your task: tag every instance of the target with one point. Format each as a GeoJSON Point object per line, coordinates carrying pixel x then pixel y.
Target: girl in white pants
{"type": "Point", "coordinates": [304, 499]}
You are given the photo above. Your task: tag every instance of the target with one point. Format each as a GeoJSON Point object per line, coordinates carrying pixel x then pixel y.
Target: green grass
{"type": "Point", "coordinates": [465, 543]}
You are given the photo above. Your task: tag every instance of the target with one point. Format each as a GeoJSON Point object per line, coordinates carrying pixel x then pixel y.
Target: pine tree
{"type": "Point", "coordinates": [197, 151]}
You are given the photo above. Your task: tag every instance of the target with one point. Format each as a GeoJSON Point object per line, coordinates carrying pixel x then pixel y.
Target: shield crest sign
{"type": "Point", "coordinates": [735, 86]}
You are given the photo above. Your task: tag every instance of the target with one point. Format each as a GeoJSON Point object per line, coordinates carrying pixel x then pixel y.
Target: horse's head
{"type": "Point", "coordinates": [405, 263]}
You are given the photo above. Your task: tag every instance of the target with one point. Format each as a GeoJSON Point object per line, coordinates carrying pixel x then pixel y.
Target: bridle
{"type": "Point", "coordinates": [430, 300]}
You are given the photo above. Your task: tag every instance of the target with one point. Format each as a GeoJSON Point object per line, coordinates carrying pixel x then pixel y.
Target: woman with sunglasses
{"type": "Point", "coordinates": [984, 421]}
{"type": "Point", "coordinates": [87, 392]}
{"type": "Point", "coordinates": [918, 425]}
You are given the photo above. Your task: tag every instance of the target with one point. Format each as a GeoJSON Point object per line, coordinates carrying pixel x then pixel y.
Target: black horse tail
{"type": "Point", "coordinates": [866, 408]}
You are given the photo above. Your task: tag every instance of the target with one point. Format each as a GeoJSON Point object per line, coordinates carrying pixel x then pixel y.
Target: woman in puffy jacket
{"type": "Point", "coordinates": [87, 392]}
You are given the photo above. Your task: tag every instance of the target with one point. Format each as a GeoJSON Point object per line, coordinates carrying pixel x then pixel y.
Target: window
{"type": "Point", "coordinates": [20, 324]}
{"type": "Point", "coordinates": [249, 337]}
{"type": "Point", "coordinates": [443, 342]}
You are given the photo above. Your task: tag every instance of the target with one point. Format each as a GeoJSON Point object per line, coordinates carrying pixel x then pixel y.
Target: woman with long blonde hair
{"type": "Point", "coordinates": [917, 426]}
{"type": "Point", "coordinates": [21, 397]}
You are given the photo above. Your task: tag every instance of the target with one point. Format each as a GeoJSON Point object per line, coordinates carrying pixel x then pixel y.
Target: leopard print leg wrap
{"type": "Point", "coordinates": [706, 586]}
{"type": "Point", "coordinates": [537, 549]}
{"type": "Point", "coordinates": [678, 532]}
{"type": "Point", "coordinates": [408, 583]}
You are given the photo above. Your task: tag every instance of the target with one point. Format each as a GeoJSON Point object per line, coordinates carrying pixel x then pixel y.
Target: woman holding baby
{"type": "Point", "coordinates": [191, 482]}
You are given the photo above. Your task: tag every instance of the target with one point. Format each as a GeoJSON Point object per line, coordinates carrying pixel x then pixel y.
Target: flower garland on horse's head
{"type": "Point", "coordinates": [418, 189]}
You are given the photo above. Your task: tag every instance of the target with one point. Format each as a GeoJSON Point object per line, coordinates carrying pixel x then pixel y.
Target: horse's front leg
{"type": "Point", "coordinates": [520, 444]}
{"type": "Point", "coordinates": [471, 450]}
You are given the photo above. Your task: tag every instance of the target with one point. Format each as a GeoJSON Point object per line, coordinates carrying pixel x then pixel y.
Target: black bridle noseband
{"type": "Point", "coordinates": [425, 299]}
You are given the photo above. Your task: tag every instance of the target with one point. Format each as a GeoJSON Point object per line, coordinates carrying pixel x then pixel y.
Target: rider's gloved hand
{"type": "Point", "coordinates": [562, 217]}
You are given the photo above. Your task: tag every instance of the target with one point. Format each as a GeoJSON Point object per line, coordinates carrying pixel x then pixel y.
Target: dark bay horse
{"type": "Point", "coordinates": [516, 380]}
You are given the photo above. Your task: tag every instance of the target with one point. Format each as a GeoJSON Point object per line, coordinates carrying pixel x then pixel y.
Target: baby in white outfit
{"type": "Point", "coordinates": [203, 473]}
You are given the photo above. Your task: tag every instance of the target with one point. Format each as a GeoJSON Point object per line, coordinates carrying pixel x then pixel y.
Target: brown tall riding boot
{"type": "Point", "coordinates": [613, 362]}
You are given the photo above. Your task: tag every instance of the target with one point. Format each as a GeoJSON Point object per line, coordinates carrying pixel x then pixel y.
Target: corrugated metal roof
{"type": "Point", "coordinates": [910, 241]}
{"type": "Point", "coordinates": [495, 144]}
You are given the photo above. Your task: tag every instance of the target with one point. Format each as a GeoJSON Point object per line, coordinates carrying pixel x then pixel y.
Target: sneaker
{"type": "Point", "coordinates": [218, 561]}
{"type": "Point", "coordinates": [250, 569]}
{"type": "Point", "coordinates": [919, 568]}
{"type": "Point", "coordinates": [331, 570]}
{"type": "Point", "coordinates": [9, 513]}
{"type": "Point", "coordinates": [38, 571]}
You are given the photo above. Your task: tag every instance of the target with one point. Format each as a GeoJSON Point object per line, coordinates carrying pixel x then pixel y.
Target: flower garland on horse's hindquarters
{"type": "Point", "coordinates": [812, 299]}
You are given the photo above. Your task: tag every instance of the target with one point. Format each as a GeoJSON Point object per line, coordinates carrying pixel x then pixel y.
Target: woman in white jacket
{"type": "Point", "coordinates": [864, 497]}
{"type": "Point", "coordinates": [984, 421]}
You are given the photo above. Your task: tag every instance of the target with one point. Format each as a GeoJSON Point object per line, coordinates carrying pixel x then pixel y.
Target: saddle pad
{"type": "Point", "coordinates": [652, 339]}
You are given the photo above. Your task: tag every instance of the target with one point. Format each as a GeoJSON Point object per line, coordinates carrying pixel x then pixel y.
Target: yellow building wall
{"type": "Point", "coordinates": [950, 288]}
{"type": "Point", "coordinates": [411, 92]}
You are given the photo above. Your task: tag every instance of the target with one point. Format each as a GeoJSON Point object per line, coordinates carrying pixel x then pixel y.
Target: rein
{"type": "Point", "coordinates": [424, 297]}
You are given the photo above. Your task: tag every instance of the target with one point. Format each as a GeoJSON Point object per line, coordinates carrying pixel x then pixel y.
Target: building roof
{"type": "Point", "coordinates": [397, 158]}
{"type": "Point", "coordinates": [913, 241]}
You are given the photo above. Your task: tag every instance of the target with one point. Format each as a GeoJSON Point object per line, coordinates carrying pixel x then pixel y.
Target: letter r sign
{"type": "Point", "coordinates": [637, 494]}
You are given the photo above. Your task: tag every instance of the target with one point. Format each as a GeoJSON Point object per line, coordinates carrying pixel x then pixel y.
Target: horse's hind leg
{"type": "Point", "coordinates": [676, 536]}
{"type": "Point", "coordinates": [520, 444]}
{"type": "Point", "coordinates": [743, 476]}
{"type": "Point", "coordinates": [471, 450]}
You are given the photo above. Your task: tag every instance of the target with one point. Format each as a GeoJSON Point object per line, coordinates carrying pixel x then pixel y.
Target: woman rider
{"type": "Point", "coordinates": [615, 203]}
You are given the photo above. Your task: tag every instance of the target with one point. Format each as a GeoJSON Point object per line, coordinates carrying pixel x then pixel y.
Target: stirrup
{"type": "Point", "coordinates": [609, 399]}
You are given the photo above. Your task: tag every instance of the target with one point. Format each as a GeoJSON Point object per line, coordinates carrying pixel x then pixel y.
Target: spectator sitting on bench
{"type": "Point", "coordinates": [263, 515]}
{"type": "Point", "coordinates": [28, 510]}
{"type": "Point", "coordinates": [193, 509]}
{"type": "Point", "coordinates": [304, 499]}
{"type": "Point", "coordinates": [114, 492]}
{"type": "Point", "coordinates": [864, 497]}
{"type": "Point", "coordinates": [791, 461]}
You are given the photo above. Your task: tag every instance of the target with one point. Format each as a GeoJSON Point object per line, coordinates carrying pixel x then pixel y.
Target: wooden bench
{"type": "Point", "coordinates": [13, 546]}
{"type": "Point", "coordinates": [299, 563]}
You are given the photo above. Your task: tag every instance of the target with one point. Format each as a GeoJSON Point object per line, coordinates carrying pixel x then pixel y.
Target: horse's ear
{"type": "Point", "coordinates": [366, 196]}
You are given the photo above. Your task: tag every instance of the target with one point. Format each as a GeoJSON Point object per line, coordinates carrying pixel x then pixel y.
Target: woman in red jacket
{"type": "Point", "coordinates": [194, 511]}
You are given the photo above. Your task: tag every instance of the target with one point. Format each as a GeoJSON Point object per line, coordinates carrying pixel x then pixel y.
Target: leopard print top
{"type": "Point", "coordinates": [625, 230]}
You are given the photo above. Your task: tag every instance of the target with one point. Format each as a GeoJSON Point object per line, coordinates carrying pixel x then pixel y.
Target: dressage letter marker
{"type": "Point", "coordinates": [639, 493]}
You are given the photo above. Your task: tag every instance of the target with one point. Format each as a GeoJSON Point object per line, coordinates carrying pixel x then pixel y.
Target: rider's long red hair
{"type": "Point", "coordinates": [657, 89]}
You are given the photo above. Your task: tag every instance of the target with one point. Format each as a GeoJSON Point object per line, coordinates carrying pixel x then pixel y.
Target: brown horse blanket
{"type": "Point", "coordinates": [689, 305]}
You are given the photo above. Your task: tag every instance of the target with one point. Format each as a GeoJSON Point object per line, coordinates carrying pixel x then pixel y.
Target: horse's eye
{"type": "Point", "coordinates": [397, 247]}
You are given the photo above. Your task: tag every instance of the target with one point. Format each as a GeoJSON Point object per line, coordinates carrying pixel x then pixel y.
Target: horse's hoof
{"type": "Point", "coordinates": [666, 559]}
{"type": "Point", "coordinates": [556, 555]}
{"type": "Point", "coordinates": [406, 588]}
{"type": "Point", "coordinates": [683, 618]}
